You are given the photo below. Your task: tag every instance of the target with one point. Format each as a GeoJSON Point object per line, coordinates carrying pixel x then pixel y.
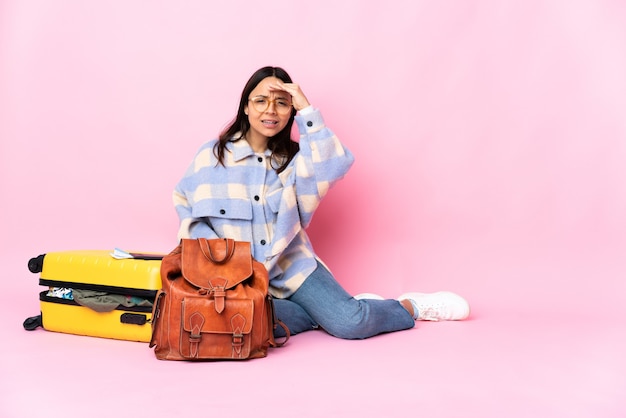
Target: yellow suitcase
{"type": "Point", "coordinates": [134, 281]}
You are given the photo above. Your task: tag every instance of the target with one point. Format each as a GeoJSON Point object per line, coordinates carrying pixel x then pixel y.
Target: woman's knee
{"type": "Point", "coordinates": [293, 316]}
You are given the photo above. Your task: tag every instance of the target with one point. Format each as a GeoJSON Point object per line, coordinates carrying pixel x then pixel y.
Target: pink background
{"type": "Point", "coordinates": [490, 139]}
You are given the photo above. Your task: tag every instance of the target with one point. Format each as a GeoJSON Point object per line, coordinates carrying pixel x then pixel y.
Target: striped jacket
{"type": "Point", "coordinates": [248, 201]}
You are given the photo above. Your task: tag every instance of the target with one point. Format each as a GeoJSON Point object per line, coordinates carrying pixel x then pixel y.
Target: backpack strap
{"type": "Point", "coordinates": [275, 323]}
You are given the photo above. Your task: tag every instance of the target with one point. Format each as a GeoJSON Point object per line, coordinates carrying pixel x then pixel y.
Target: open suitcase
{"type": "Point", "coordinates": [84, 288]}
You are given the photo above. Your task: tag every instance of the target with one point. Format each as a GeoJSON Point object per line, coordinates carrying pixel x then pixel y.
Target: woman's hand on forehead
{"type": "Point", "coordinates": [298, 98]}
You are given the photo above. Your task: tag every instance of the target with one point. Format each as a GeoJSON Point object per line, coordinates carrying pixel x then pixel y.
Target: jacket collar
{"type": "Point", "coordinates": [241, 149]}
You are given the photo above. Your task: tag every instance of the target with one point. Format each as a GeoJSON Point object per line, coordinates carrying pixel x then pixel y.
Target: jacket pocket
{"type": "Point", "coordinates": [273, 200]}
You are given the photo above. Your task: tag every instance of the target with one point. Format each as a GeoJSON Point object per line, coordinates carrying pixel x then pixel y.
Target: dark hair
{"type": "Point", "coordinates": [281, 145]}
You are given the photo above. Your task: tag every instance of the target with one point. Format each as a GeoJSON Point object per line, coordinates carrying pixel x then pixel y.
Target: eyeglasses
{"type": "Point", "coordinates": [262, 103]}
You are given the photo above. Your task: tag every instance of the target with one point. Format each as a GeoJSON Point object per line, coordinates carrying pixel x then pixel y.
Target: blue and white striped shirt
{"type": "Point", "coordinates": [248, 201]}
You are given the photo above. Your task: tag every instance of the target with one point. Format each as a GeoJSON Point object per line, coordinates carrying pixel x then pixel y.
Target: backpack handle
{"type": "Point", "coordinates": [208, 253]}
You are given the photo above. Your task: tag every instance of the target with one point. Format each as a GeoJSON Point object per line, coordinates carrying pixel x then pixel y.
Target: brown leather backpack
{"type": "Point", "coordinates": [214, 303]}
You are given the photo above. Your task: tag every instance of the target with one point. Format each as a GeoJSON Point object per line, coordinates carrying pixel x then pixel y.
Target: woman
{"type": "Point", "coordinates": [254, 183]}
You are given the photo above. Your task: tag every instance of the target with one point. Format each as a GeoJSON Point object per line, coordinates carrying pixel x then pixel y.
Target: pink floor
{"type": "Point", "coordinates": [490, 144]}
{"type": "Point", "coordinates": [533, 352]}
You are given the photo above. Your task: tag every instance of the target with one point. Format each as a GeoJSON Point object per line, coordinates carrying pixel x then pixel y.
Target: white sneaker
{"type": "Point", "coordinates": [439, 306]}
{"type": "Point", "coordinates": [369, 296]}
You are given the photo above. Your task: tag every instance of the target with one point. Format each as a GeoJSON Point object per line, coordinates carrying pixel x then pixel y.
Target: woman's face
{"type": "Point", "coordinates": [268, 109]}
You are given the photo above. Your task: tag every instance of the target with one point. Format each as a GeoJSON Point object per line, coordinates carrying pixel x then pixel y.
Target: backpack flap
{"type": "Point", "coordinates": [208, 333]}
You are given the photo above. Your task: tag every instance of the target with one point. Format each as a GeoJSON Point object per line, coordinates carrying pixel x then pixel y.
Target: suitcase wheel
{"type": "Point", "coordinates": [35, 264]}
{"type": "Point", "coordinates": [32, 323]}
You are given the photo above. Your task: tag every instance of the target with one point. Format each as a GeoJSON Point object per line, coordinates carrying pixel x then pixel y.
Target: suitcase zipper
{"type": "Point", "coordinates": [142, 293]}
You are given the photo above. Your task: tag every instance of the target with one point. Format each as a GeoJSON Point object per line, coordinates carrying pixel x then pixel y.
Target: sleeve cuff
{"type": "Point", "coordinates": [307, 110]}
{"type": "Point", "coordinates": [309, 122]}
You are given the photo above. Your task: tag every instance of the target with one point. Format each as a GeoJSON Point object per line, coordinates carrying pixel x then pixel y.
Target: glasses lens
{"type": "Point", "coordinates": [282, 106]}
{"type": "Point", "coordinates": [261, 104]}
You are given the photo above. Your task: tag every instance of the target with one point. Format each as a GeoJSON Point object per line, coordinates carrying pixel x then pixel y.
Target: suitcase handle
{"type": "Point", "coordinates": [133, 318]}
{"type": "Point", "coordinates": [142, 256]}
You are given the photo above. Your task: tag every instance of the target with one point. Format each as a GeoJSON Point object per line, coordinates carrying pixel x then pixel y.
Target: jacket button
{"type": "Point", "coordinates": [263, 242]}
{"type": "Point", "coordinates": [256, 198]}
{"type": "Point", "coordinates": [260, 159]}
{"type": "Point", "coordinates": [222, 211]}
{"type": "Point", "coordinates": [309, 124]}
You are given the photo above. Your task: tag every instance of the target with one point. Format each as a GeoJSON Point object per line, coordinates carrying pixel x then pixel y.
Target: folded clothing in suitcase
{"type": "Point", "coordinates": [93, 293]}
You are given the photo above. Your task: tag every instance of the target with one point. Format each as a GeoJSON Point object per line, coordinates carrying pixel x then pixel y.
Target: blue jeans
{"type": "Point", "coordinates": [322, 302]}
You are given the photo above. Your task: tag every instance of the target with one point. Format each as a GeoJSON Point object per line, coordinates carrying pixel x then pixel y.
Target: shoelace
{"type": "Point", "coordinates": [429, 314]}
